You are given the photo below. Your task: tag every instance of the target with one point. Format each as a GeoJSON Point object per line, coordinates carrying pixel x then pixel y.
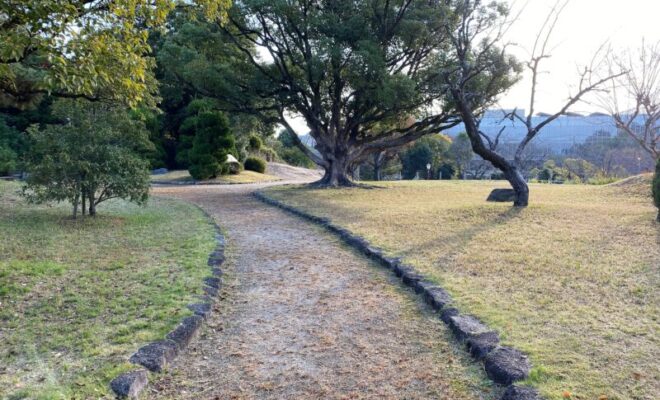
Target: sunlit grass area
{"type": "Point", "coordinates": [78, 297]}
{"type": "Point", "coordinates": [242, 177]}
{"type": "Point", "coordinates": [572, 280]}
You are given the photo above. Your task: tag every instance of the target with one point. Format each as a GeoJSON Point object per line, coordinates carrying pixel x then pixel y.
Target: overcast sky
{"type": "Point", "coordinates": [583, 27]}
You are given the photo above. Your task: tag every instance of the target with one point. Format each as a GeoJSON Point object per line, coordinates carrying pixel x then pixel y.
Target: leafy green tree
{"type": "Point", "coordinates": [255, 143]}
{"type": "Point", "coordinates": [81, 48]}
{"type": "Point", "coordinates": [289, 152]}
{"type": "Point", "coordinates": [446, 171]}
{"type": "Point", "coordinates": [10, 143]}
{"type": "Point", "coordinates": [195, 58]}
{"type": "Point", "coordinates": [427, 150]}
{"type": "Point", "coordinates": [461, 153]}
{"type": "Point", "coordinates": [348, 68]}
{"type": "Point", "coordinates": [415, 159]}
{"type": "Point", "coordinates": [581, 169]}
{"type": "Point", "coordinates": [212, 143]}
{"type": "Point", "coordinates": [97, 155]}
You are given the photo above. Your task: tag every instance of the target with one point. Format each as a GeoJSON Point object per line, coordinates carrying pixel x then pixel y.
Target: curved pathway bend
{"type": "Point", "coordinates": [302, 316]}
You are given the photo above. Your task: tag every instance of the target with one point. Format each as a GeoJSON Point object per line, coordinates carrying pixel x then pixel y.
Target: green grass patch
{"type": "Point", "coordinates": [78, 297]}
{"type": "Point", "coordinates": [571, 280]}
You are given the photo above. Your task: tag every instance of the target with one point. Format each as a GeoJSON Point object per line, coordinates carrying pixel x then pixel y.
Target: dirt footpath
{"type": "Point", "coordinates": [304, 317]}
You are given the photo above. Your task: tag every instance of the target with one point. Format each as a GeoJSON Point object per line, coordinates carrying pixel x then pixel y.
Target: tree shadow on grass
{"type": "Point", "coordinates": [458, 241]}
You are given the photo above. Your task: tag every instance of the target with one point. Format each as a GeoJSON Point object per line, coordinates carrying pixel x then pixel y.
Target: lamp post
{"type": "Point", "coordinates": [428, 170]}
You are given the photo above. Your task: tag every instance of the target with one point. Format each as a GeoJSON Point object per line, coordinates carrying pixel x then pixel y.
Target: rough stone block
{"type": "Point", "coordinates": [436, 297]}
{"type": "Point", "coordinates": [130, 384]}
{"type": "Point", "coordinates": [213, 281]}
{"type": "Point", "coordinates": [215, 259]}
{"type": "Point", "coordinates": [374, 252]}
{"type": "Point", "coordinates": [480, 345]}
{"type": "Point", "coordinates": [217, 271]}
{"type": "Point", "coordinates": [333, 228]}
{"type": "Point", "coordinates": [185, 332]}
{"type": "Point", "coordinates": [410, 277]}
{"type": "Point", "coordinates": [514, 392]}
{"type": "Point", "coordinates": [201, 309]}
{"type": "Point", "coordinates": [505, 365]}
{"type": "Point", "coordinates": [502, 195]}
{"type": "Point", "coordinates": [211, 291]}
{"type": "Point", "coordinates": [448, 313]}
{"type": "Point", "coordinates": [155, 356]}
{"type": "Point", "coordinates": [391, 262]}
{"type": "Point", "coordinates": [465, 326]}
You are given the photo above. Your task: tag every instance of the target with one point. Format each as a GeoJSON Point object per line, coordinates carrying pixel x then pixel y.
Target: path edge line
{"type": "Point", "coordinates": [503, 365]}
{"type": "Point", "coordinates": [155, 356]}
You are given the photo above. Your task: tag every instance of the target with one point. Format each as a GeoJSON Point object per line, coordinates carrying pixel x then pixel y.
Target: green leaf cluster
{"type": "Point", "coordinates": [82, 48]}
{"type": "Point", "coordinates": [212, 142]}
{"type": "Point", "coordinates": [96, 154]}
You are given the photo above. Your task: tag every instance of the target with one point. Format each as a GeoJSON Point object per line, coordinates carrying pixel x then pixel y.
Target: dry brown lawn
{"type": "Point", "coordinates": [572, 280]}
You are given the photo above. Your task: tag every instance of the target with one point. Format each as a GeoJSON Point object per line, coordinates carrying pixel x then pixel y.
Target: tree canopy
{"type": "Point", "coordinates": [364, 75]}
{"type": "Point", "coordinates": [96, 155]}
{"type": "Point", "coordinates": [82, 48]}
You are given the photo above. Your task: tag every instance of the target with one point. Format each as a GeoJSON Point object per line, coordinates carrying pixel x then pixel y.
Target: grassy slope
{"type": "Point", "coordinates": [572, 280]}
{"type": "Point", "coordinates": [243, 177]}
{"type": "Point", "coordinates": [78, 297]}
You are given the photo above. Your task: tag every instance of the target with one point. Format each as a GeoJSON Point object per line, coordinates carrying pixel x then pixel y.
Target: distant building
{"type": "Point", "coordinates": [558, 136]}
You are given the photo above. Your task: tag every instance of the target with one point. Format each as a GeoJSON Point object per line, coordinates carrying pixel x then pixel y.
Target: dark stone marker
{"type": "Point", "coordinates": [373, 252]}
{"type": "Point", "coordinates": [184, 333]}
{"type": "Point", "coordinates": [213, 281]}
{"type": "Point", "coordinates": [436, 297]}
{"type": "Point", "coordinates": [211, 291]}
{"type": "Point", "coordinates": [502, 195]}
{"type": "Point", "coordinates": [506, 365]}
{"type": "Point", "coordinates": [448, 313]}
{"type": "Point", "coordinates": [216, 260]}
{"type": "Point", "coordinates": [466, 326]}
{"type": "Point", "coordinates": [201, 309]}
{"type": "Point", "coordinates": [520, 393]}
{"type": "Point", "coordinates": [155, 356]}
{"type": "Point", "coordinates": [410, 277]}
{"type": "Point", "coordinates": [480, 345]}
{"type": "Point", "coordinates": [391, 262]}
{"type": "Point", "coordinates": [217, 271]}
{"type": "Point", "coordinates": [130, 384]}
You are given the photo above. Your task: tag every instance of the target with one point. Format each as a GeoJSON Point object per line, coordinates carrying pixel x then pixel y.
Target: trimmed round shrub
{"type": "Point", "coordinates": [255, 143]}
{"type": "Point", "coordinates": [255, 164]}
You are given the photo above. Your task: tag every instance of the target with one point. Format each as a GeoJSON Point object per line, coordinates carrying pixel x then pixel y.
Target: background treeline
{"type": "Point", "coordinates": [189, 129]}
{"type": "Point", "coordinates": [199, 121]}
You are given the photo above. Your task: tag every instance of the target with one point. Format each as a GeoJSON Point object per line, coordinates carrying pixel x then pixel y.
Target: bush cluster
{"type": "Point", "coordinates": [255, 164]}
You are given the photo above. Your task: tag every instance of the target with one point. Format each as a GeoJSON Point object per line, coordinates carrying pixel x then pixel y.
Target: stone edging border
{"type": "Point", "coordinates": [503, 365]}
{"type": "Point", "coordinates": [157, 355]}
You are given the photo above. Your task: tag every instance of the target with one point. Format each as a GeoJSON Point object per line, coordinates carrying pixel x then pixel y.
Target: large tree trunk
{"type": "Point", "coordinates": [508, 168]}
{"type": "Point", "coordinates": [75, 206]}
{"type": "Point", "coordinates": [84, 203]}
{"type": "Point", "coordinates": [378, 163]}
{"type": "Point", "coordinates": [92, 203]}
{"type": "Point", "coordinates": [519, 185]}
{"type": "Point", "coordinates": [337, 174]}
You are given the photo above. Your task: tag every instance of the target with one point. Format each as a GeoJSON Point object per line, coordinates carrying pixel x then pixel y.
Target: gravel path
{"type": "Point", "coordinates": [304, 317]}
